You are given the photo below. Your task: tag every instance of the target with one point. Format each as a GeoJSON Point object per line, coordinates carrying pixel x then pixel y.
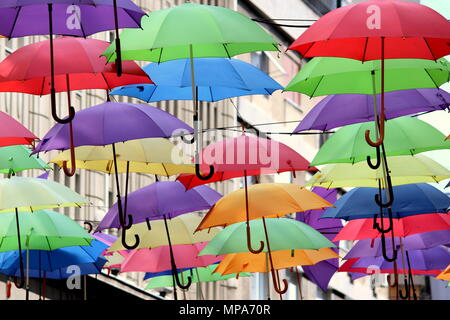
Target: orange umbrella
{"type": "Point", "coordinates": [444, 275]}
{"type": "Point", "coordinates": [249, 262]}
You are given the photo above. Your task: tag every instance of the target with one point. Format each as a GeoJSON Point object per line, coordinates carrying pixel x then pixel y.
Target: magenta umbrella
{"type": "Point", "coordinates": [158, 259]}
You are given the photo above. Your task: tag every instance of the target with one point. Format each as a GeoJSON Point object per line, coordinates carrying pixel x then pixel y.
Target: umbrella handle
{"type": "Point", "coordinates": [392, 285]}
{"type": "Point", "coordinates": [55, 115]}
{"type": "Point", "coordinates": [407, 294]}
{"type": "Point", "coordinates": [391, 194]}
{"type": "Point", "coordinates": [377, 226]}
{"type": "Point", "coordinates": [179, 283]}
{"type": "Point", "coordinates": [124, 240]}
{"type": "Point", "coordinates": [380, 140]}
{"type": "Point", "coordinates": [90, 226]}
{"type": "Point", "coordinates": [249, 242]}
{"type": "Point", "coordinates": [275, 283]}
{"type": "Point", "coordinates": [186, 140]}
{"type": "Point", "coordinates": [378, 163]}
{"type": "Point", "coordinates": [73, 167]}
{"type": "Point", "coordinates": [21, 282]}
{"type": "Point", "coordinates": [383, 246]}
{"type": "Point", "coordinates": [199, 174]}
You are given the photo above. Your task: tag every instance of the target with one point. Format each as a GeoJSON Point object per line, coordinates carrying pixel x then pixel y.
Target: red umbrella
{"type": "Point", "coordinates": [12, 132]}
{"type": "Point", "coordinates": [377, 29]}
{"type": "Point", "coordinates": [78, 65]}
{"type": "Point", "coordinates": [363, 228]}
{"type": "Point", "coordinates": [241, 157]}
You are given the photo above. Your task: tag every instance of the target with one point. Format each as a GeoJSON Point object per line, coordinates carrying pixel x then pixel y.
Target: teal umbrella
{"type": "Point", "coordinates": [18, 158]}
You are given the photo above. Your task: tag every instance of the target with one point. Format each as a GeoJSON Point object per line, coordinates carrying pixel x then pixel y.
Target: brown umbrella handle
{"type": "Point", "coordinates": [275, 283]}
{"type": "Point", "coordinates": [249, 242]}
{"type": "Point", "coordinates": [73, 166]}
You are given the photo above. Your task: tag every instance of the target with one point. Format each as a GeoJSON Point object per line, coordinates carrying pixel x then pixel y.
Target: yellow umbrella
{"type": "Point", "coordinates": [181, 232]}
{"type": "Point", "coordinates": [403, 170]}
{"type": "Point", "coordinates": [444, 275]}
{"type": "Point", "coordinates": [154, 155]}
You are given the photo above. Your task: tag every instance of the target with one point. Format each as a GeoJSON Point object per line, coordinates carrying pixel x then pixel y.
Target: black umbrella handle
{"type": "Point", "coordinates": [378, 157]}
{"type": "Point", "coordinates": [124, 240]}
{"type": "Point", "coordinates": [202, 177]}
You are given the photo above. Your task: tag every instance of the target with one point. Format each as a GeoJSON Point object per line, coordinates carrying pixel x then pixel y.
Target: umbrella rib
{"type": "Point", "coordinates": [14, 24]}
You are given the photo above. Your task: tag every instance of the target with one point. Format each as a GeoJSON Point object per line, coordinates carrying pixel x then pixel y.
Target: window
{"type": "Point", "coordinates": [260, 60]}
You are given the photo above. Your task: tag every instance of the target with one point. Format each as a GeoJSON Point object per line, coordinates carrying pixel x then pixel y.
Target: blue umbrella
{"type": "Point", "coordinates": [216, 79]}
{"type": "Point", "coordinates": [149, 275]}
{"type": "Point", "coordinates": [410, 199]}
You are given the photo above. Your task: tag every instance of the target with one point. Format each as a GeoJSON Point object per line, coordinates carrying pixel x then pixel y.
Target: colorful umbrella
{"type": "Point", "coordinates": [18, 158]}
{"type": "Point", "coordinates": [153, 155]}
{"type": "Point", "coordinates": [321, 272]}
{"type": "Point", "coordinates": [411, 199]}
{"type": "Point", "coordinates": [405, 136]}
{"type": "Point", "coordinates": [193, 31]}
{"type": "Point", "coordinates": [403, 170]}
{"type": "Point", "coordinates": [45, 230]}
{"type": "Point", "coordinates": [324, 76]}
{"type": "Point", "coordinates": [159, 258]}
{"type": "Point", "coordinates": [285, 234]}
{"type": "Point", "coordinates": [445, 275]}
{"type": "Point", "coordinates": [343, 109]}
{"type": "Point", "coordinates": [173, 78]}
{"type": "Point", "coordinates": [407, 226]}
{"type": "Point", "coordinates": [201, 274]}
{"type": "Point", "coordinates": [245, 156]}
{"type": "Point", "coordinates": [68, 17]}
{"type": "Point", "coordinates": [12, 132]}
{"type": "Point", "coordinates": [377, 29]}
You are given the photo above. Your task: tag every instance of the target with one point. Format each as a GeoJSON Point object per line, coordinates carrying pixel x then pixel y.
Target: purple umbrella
{"type": "Point", "coordinates": [162, 200]}
{"type": "Point", "coordinates": [67, 17]}
{"type": "Point", "coordinates": [420, 241]}
{"type": "Point", "coordinates": [344, 109]}
{"type": "Point", "coordinates": [321, 272]}
{"type": "Point", "coordinates": [109, 123]}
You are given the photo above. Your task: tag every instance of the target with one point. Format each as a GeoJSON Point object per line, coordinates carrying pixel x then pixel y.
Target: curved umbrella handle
{"type": "Point", "coordinates": [55, 115]}
{"type": "Point", "coordinates": [378, 163]}
{"type": "Point", "coordinates": [392, 285]}
{"type": "Point", "coordinates": [249, 242]}
{"type": "Point", "coordinates": [179, 283]}
{"type": "Point", "coordinates": [89, 225]}
{"type": "Point", "coordinates": [380, 140]}
{"type": "Point", "coordinates": [199, 174]}
{"type": "Point", "coordinates": [391, 194]}
{"type": "Point", "coordinates": [377, 226]}
{"type": "Point", "coordinates": [407, 293]}
{"type": "Point", "coordinates": [21, 283]}
{"type": "Point", "coordinates": [124, 240]}
{"type": "Point", "coordinates": [383, 246]}
{"type": "Point", "coordinates": [275, 283]}
{"type": "Point", "coordinates": [186, 140]}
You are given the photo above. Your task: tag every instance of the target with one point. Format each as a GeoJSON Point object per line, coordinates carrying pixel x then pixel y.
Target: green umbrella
{"type": "Point", "coordinates": [202, 274]}
{"type": "Point", "coordinates": [325, 76]}
{"type": "Point", "coordinates": [18, 158]}
{"type": "Point", "coordinates": [404, 136]}
{"type": "Point", "coordinates": [193, 31]}
{"type": "Point", "coordinates": [285, 234]}
{"type": "Point", "coordinates": [46, 230]}
{"type": "Point", "coordinates": [211, 31]}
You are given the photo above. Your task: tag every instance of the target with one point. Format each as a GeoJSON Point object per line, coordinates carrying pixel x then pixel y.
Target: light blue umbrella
{"type": "Point", "coordinates": [216, 79]}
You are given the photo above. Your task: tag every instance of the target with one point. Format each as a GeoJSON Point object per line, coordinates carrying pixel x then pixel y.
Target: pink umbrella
{"type": "Point", "coordinates": [158, 259]}
{"type": "Point", "coordinates": [241, 157]}
{"type": "Point", "coordinates": [12, 132]}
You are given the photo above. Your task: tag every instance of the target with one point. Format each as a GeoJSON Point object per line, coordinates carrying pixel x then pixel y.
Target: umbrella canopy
{"type": "Point", "coordinates": [158, 259]}
{"type": "Point", "coordinates": [218, 79]}
{"type": "Point", "coordinates": [120, 122]}
{"type": "Point", "coordinates": [322, 272]}
{"type": "Point", "coordinates": [153, 155]}
{"type": "Point", "coordinates": [53, 260]}
{"type": "Point", "coordinates": [410, 199]}
{"type": "Point", "coordinates": [404, 136]}
{"type": "Point", "coordinates": [70, 17]}
{"type": "Point", "coordinates": [63, 272]}
{"type": "Point", "coordinates": [153, 234]}
{"type": "Point", "coordinates": [354, 31]}
{"type": "Point", "coordinates": [210, 31]}
{"type": "Point", "coordinates": [423, 262]}
{"type": "Point", "coordinates": [12, 132]}
{"type": "Point", "coordinates": [249, 262]}
{"type": "Point", "coordinates": [407, 226]}
{"type": "Point", "coordinates": [42, 230]}
{"type": "Point", "coordinates": [284, 234]}
{"type": "Point", "coordinates": [245, 156]}
{"type": "Point", "coordinates": [78, 65]}
{"type": "Point", "coordinates": [343, 109]}
{"type": "Point", "coordinates": [403, 170]}
{"type": "Point", "coordinates": [201, 274]}
{"type": "Point", "coordinates": [159, 199]}
{"type": "Point", "coordinates": [18, 158]}
{"type": "Point", "coordinates": [324, 76]}
{"type": "Point", "coordinates": [268, 200]}
{"type": "Point", "coordinates": [420, 241]}
{"type": "Point", "coordinates": [33, 194]}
